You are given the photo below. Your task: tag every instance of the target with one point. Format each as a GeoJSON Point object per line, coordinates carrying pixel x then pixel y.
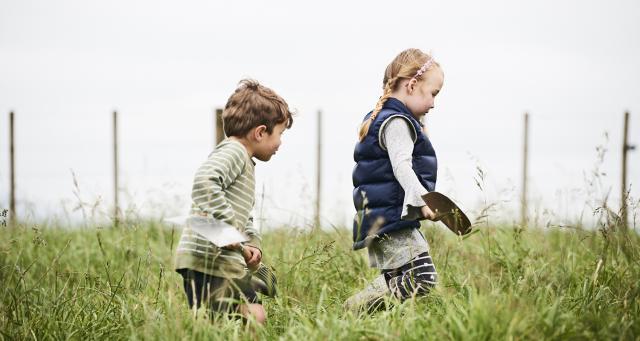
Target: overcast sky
{"type": "Point", "coordinates": [165, 66]}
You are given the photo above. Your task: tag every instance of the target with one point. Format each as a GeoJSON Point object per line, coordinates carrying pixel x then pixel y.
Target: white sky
{"type": "Point", "coordinates": [66, 65]}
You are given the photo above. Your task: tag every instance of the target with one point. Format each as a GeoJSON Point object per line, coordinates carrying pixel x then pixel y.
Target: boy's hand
{"type": "Point", "coordinates": [252, 255]}
{"type": "Point", "coordinates": [428, 213]}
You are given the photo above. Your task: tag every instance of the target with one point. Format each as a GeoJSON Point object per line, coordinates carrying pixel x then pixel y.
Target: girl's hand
{"type": "Point", "coordinates": [428, 213]}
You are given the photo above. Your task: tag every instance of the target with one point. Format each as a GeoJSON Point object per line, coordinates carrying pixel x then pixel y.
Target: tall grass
{"type": "Point", "coordinates": [499, 283]}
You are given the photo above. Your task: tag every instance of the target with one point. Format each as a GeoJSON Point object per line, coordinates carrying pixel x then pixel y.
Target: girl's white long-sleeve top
{"type": "Point", "coordinates": [399, 247]}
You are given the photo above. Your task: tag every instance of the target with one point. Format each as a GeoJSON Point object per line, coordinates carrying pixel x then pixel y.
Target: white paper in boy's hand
{"type": "Point", "coordinates": [216, 231]}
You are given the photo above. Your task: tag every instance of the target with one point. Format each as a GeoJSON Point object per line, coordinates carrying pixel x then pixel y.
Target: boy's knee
{"type": "Point", "coordinates": [258, 313]}
{"type": "Point", "coordinates": [255, 311]}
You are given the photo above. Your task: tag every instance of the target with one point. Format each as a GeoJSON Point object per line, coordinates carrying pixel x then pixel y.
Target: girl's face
{"type": "Point", "coordinates": [421, 94]}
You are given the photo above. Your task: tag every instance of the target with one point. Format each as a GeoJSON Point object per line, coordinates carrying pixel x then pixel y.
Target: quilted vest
{"type": "Point", "coordinates": [377, 195]}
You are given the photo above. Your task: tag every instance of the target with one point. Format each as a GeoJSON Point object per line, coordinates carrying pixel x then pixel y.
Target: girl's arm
{"type": "Point", "coordinates": [398, 137]}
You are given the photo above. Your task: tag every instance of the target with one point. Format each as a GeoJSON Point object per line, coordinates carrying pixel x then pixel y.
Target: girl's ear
{"type": "Point", "coordinates": [411, 85]}
{"type": "Point", "coordinates": [259, 132]}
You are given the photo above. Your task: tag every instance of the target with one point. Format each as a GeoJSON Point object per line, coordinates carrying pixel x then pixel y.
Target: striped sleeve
{"type": "Point", "coordinates": [217, 173]}
{"type": "Point", "coordinates": [254, 236]}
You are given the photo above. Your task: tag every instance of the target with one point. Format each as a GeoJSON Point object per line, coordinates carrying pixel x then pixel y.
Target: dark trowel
{"type": "Point", "coordinates": [448, 213]}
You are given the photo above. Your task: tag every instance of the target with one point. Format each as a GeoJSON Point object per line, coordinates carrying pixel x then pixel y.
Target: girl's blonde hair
{"type": "Point", "coordinates": [405, 65]}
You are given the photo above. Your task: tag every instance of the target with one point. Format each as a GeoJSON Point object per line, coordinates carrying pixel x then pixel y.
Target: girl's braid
{"type": "Point", "coordinates": [388, 89]}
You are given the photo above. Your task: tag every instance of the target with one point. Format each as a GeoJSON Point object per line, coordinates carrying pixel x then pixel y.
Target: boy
{"type": "Point", "coordinates": [254, 119]}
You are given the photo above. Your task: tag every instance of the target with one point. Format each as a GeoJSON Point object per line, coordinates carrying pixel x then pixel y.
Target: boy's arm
{"type": "Point", "coordinates": [254, 236]}
{"type": "Point", "coordinates": [216, 174]}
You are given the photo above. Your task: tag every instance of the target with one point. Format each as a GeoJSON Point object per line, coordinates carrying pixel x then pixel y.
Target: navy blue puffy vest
{"type": "Point", "coordinates": [377, 196]}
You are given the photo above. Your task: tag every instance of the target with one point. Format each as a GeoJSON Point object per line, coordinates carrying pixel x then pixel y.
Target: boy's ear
{"type": "Point", "coordinates": [259, 132]}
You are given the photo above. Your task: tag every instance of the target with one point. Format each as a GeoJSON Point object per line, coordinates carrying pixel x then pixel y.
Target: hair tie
{"type": "Point", "coordinates": [424, 68]}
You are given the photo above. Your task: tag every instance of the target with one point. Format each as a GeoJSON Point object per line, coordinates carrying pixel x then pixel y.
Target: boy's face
{"type": "Point", "coordinates": [267, 144]}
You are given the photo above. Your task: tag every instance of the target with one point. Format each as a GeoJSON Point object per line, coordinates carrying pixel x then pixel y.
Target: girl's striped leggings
{"type": "Point", "coordinates": [414, 278]}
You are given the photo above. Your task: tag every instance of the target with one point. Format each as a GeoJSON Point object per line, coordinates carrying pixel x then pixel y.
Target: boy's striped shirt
{"type": "Point", "coordinates": [223, 189]}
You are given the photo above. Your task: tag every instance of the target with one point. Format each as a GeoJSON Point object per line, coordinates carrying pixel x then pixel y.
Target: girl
{"type": "Point", "coordinates": [395, 166]}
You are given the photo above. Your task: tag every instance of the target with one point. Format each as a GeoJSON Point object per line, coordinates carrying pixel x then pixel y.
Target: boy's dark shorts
{"type": "Point", "coordinates": [219, 294]}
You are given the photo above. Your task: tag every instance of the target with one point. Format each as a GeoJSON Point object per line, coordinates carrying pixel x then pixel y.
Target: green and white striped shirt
{"type": "Point", "coordinates": [223, 189]}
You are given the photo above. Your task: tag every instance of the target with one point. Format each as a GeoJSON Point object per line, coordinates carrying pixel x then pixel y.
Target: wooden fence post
{"type": "Point", "coordinates": [219, 131]}
{"type": "Point", "coordinates": [318, 169]}
{"type": "Point", "coordinates": [115, 169]}
{"type": "Point", "coordinates": [525, 165]}
{"type": "Point", "coordinates": [12, 175]}
{"type": "Point", "coordinates": [624, 195]}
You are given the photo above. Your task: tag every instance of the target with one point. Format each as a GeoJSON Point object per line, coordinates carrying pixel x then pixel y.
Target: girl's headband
{"type": "Point", "coordinates": [424, 68]}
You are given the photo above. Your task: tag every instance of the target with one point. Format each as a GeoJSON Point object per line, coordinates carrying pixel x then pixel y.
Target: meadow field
{"type": "Point", "coordinates": [498, 283]}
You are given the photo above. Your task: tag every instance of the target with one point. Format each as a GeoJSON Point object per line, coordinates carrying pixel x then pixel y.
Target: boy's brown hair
{"type": "Point", "coordinates": [251, 105]}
